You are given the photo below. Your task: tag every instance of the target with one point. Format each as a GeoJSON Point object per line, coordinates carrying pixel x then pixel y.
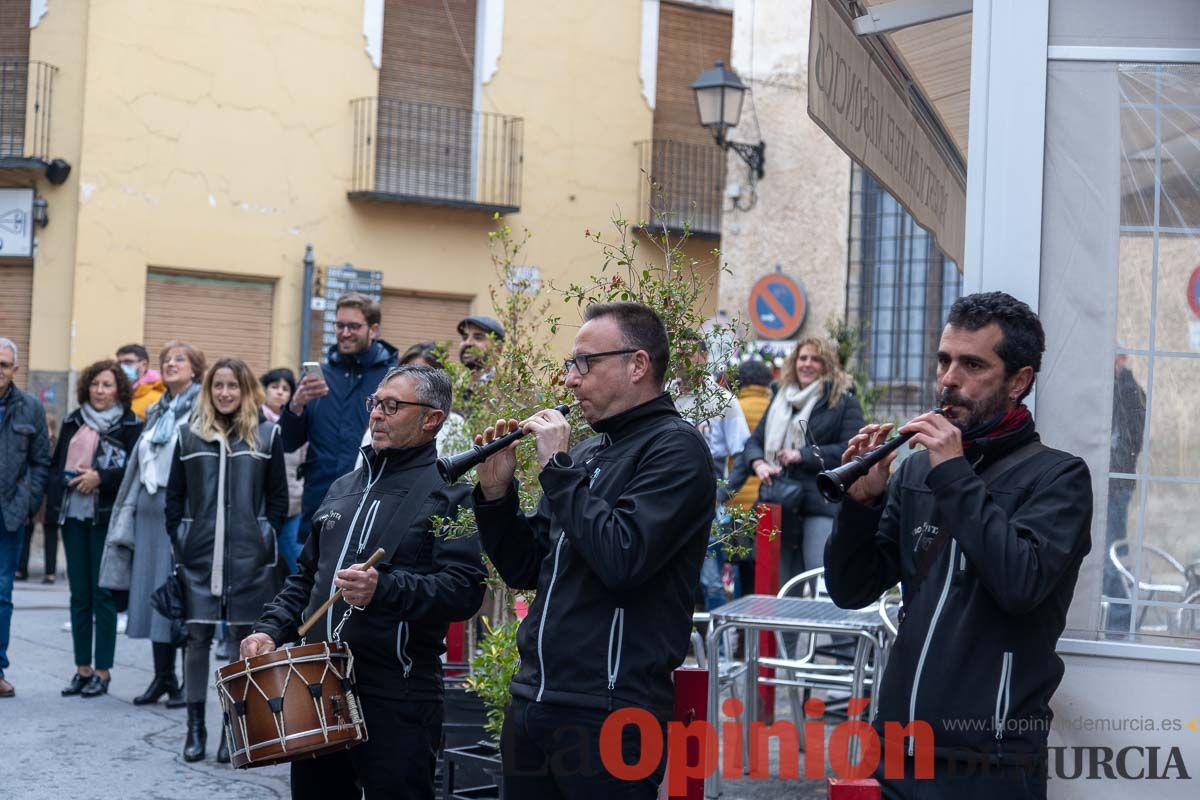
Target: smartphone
{"type": "Point", "coordinates": [310, 368]}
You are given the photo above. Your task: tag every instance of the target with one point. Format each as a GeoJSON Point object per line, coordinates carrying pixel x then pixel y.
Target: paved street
{"type": "Point", "coordinates": [107, 748]}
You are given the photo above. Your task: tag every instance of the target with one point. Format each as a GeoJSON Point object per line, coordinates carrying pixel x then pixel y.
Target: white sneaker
{"type": "Point", "coordinates": [66, 626]}
{"type": "Point", "coordinates": [122, 621]}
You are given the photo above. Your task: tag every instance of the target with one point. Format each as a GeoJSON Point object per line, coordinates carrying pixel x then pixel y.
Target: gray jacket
{"type": "Point", "coordinates": [24, 459]}
{"type": "Point", "coordinates": [116, 563]}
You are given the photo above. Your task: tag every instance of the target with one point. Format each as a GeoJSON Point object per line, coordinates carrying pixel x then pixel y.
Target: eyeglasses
{"type": "Point", "coordinates": [348, 326]}
{"type": "Point", "coordinates": [390, 406]}
{"type": "Point", "coordinates": [582, 362]}
{"type": "Point", "coordinates": [5, 366]}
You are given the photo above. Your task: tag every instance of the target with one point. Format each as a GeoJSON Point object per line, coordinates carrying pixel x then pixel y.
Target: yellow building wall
{"type": "Point", "coordinates": [218, 137]}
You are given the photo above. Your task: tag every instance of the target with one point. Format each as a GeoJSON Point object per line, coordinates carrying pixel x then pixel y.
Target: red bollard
{"type": "Point", "coordinates": [455, 646]}
{"type": "Point", "coordinates": [863, 789]}
{"type": "Point", "coordinates": [691, 704]}
{"type": "Point", "coordinates": [766, 581]}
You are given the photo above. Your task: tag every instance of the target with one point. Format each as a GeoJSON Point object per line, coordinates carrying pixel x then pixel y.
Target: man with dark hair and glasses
{"type": "Point", "coordinates": [326, 411]}
{"type": "Point", "coordinates": [402, 607]}
{"type": "Point", "coordinates": [614, 550]}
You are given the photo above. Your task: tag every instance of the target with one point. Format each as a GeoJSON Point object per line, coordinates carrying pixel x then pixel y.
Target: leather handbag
{"type": "Point", "coordinates": [168, 600]}
{"type": "Point", "coordinates": [787, 492]}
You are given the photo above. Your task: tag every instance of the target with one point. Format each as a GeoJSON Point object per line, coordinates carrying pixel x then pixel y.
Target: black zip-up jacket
{"type": "Point", "coordinates": [425, 581]}
{"type": "Point", "coordinates": [109, 462]}
{"type": "Point", "coordinates": [984, 606]}
{"type": "Point", "coordinates": [614, 550]}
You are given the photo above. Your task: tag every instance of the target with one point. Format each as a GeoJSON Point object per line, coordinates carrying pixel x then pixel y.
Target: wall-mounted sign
{"type": "Point", "coordinates": [16, 223]}
{"type": "Point", "coordinates": [778, 306]}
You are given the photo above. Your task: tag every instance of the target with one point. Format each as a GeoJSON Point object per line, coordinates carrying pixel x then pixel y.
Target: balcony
{"type": "Point", "coordinates": [686, 186]}
{"type": "Point", "coordinates": [410, 152]}
{"type": "Point", "coordinates": [26, 91]}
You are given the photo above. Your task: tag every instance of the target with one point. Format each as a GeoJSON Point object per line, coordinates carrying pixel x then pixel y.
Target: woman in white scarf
{"type": "Point", "coordinates": [806, 429]}
{"type": "Point", "coordinates": [137, 555]}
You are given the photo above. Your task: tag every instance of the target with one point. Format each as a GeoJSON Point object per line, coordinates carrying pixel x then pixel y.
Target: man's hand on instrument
{"type": "Point", "coordinates": [357, 585]}
{"type": "Point", "coordinates": [256, 644]}
{"type": "Point", "coordinates": [872, 486]}
{"type": "Point", "coordinates": [765, 471]}
{"type": "Point", "coordinates": [553, 434]}
{"type": "Point", "coordinates": [941, 437]}
{"type": "Point", "coordinates": [496, 473]}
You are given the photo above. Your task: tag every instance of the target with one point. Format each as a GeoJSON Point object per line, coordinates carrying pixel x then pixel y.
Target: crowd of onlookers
{"type": "Point", "coordinates": [132, 478]}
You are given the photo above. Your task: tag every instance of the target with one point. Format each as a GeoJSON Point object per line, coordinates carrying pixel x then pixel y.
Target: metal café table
{"type": "Point", "coordinates": [802, 615]}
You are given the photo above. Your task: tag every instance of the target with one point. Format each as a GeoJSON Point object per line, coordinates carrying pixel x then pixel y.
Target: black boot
{"type": "Point", "coordinates": [193, 746]}
{"type": "Point", "coordinates": [157, 688]}
{"type": "Point", "coordinates": [165, 682]}
{"type": "Point", "coordinates": [223, 750]}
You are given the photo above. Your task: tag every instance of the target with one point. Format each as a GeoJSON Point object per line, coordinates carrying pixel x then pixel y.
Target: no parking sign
{"type": "Point", "coordinates": [778, 306]}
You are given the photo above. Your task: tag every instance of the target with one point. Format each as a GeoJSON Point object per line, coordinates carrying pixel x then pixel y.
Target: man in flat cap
{"type": "Point", "coordinates": [479, 335]}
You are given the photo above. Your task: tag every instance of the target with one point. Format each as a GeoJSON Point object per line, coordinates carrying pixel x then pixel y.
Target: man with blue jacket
{"type": "Point", "coordinates": [328, 411]}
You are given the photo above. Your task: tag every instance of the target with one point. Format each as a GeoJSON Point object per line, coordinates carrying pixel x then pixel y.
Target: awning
{"type": "Point", "coordinates": [897, 103]}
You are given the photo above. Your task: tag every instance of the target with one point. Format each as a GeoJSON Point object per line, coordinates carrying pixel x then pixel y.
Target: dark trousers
{"type": "Point", "coordinates": [397, 760]}
{"type": "Point", "coordinates": [1120, 493]}
{"type": "Point", "coordinates": [195, 659]}
{"type": "Point", "coordinates": [954, 780]}
{"type": "Point", "coordinates": [49, 548]}
{"type": "Point", "coordinates": [553, 752]}
{"type": "Point", "coordinates": [84, 545]}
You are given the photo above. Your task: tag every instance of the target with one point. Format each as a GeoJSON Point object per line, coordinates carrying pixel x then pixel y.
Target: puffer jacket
{"type": "Point", "coordinates": [333, 425]}
{"type": "Point", "coordinates": [253, 501]}
{"type": "Point", "coordinates": [112, 454]}
{"type": "Point", "coordinates": [614, 550]}
{"type": "Point", "coordinates": [24, 458]}
{"type": "Point", "coordinates": [426, 580]}
{"type": "Point", "coordinates": [985, 603]}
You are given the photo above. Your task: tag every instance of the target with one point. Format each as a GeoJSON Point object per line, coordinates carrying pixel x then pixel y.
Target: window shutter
{"type": "Point", "coordinates": [16, 311]}
{"type": "Point", "coordinates": [689, 41]}
{"type": "Point", "coordinates": [219, 315]}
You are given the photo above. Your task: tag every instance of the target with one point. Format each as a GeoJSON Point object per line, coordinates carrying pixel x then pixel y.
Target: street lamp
{"type": "Point", "coordinates": [719, 95]}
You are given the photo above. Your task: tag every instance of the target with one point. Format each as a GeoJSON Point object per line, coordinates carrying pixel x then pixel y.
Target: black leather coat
{"type": "Point", "coordinates": [255, 506]}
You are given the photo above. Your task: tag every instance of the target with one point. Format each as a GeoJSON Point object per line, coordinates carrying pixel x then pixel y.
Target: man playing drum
{"type": "Point", "coordinates": [394, 616]}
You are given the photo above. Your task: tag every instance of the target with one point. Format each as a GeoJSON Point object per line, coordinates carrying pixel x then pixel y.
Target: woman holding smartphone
{"type": "Point", "coordinates": [86, 470]}
{"type": "Point", "coordinates": [227, 499]}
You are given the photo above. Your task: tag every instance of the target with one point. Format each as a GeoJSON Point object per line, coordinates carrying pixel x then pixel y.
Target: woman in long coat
{"type": "Point", "coordinates": [226, 502]}
{"type": "Point", "coordinates": [137, 557]}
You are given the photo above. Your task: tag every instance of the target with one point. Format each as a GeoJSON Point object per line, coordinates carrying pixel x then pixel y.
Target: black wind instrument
{"type": "Point", "coordinates": [833, 483]}
{"type": "Point", "coordinates": [454, 467]}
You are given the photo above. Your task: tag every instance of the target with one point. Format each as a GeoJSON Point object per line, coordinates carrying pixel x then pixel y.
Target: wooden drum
{"type": "Point", "coordinates": [295, 702]}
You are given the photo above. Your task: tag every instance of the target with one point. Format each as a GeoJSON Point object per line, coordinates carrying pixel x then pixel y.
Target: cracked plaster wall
{"type": "Point", "coordinates": [217, 136]}
{"type": "Point", "coordinates": [802, 215]}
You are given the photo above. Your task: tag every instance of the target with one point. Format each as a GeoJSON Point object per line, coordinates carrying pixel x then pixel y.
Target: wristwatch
{"type": "Point", "coordinates": [562, 460]}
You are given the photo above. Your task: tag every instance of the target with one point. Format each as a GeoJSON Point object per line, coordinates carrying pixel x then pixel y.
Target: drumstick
{"type": "Point", "coordinates": [320, 612]}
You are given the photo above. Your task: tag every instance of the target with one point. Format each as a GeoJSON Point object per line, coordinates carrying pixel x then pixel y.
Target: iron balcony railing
{"type": "Point", "coordinates": [681, 182]}
{"type": "Point", "coordinates": [406, 151]}
{"type": "Point", "coordinates": [26, 92]}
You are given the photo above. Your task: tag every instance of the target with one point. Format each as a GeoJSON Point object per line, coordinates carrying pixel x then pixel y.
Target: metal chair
{"type": "Point", "coordinates": [1137, 589]}
{"type": "Point", "coordinates": [729, 668]}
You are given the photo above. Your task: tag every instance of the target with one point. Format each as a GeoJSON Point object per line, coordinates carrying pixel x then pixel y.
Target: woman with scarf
{"type": "Point", "coordinates": [137, 556]}
{"type": "Point", "coordinates": [226, 502]}
{"type": "Point", "coordinates": [93, 446]}
{"type": "Point", "coordinates": [806, 429]}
